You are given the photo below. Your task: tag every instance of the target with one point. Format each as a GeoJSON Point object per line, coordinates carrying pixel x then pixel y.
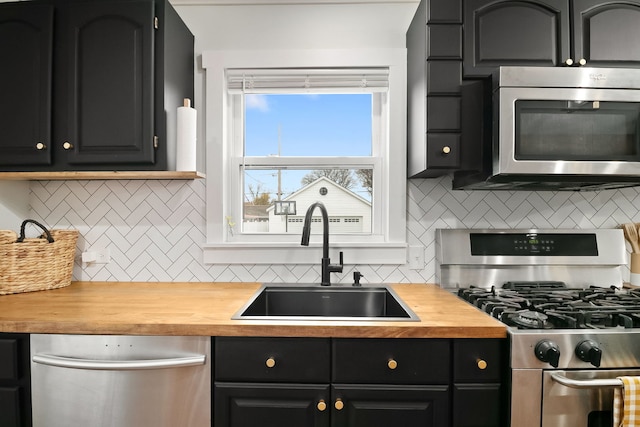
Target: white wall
{"type": "Point", "coordinates": [14, 204]}
{"type": "Point", "coordinates": [290, 26]}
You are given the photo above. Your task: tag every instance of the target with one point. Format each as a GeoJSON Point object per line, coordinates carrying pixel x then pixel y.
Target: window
{"type": "Point", "coordinates": [300, 133]}
{"type": "Point", "coordinates": [287, 129]}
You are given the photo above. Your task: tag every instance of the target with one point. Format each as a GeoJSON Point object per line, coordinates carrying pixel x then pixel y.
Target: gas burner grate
{"type": "Point", "coordinates": [551, 305]}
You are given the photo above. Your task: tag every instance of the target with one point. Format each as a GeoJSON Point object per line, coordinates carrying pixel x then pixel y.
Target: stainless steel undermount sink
{"type": "Point", "coordinates": [314, 302]}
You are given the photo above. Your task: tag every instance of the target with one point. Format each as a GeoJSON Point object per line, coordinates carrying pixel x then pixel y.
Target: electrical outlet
{"type": "Point", "coordinates": [416, 257]}
{"type": "Point", "coordinates": [97, 256]}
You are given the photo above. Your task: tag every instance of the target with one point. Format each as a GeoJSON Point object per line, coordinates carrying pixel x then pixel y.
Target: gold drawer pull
{"type": "Point", "coordinates": [392, 364]}
{"type": "Point", "coordinates": [271, 362]}
{"type": "Point", "coordinates": [322, 406]}
{"type": "Point", "coordinates": [40, 146]}
{"type": "Point", "coordinates": [481, 364]}
{"type": "Point", "coordinates": [446, 149]}
{"type": "Point", "coordinates": [339, 404]}
{"type": "Point", "coordinates": [67, 145]}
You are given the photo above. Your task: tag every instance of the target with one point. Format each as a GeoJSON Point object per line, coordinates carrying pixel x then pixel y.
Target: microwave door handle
{"type": "Point", "coordinates": [597, 383]}
{"type": "Point", "coordinates": [118, 365]}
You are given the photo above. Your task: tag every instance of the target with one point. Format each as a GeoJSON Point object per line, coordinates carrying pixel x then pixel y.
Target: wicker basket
{"type": "Point", "coordinates": [36, 264]}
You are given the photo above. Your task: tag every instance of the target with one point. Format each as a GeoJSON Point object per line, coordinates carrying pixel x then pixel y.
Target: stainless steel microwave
{"type": "Point", "coordinates": [554, 128]}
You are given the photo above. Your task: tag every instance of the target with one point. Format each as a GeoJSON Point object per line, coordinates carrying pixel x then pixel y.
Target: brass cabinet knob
{"type": "Point", "coordinates": [339, 404]}
{"type": "Point", "coordinates": [67, 145]}
{"type": "Point", "coordinates": [392, 364]}
{"type": "Point", "coordinates": [40, 146]}
{"type": "Point", "coordinates": [322, 405]}
{"type": "Point", "coordinates": [569, 61]}
{"type": "Point", "coordinates": [270, 362]}
{"type": "Point", "coordinates": [582, 61]}
{"type": "Point", "coordinates": [446, 149]}
{"type": "Point", "coordinates": [482, 364]}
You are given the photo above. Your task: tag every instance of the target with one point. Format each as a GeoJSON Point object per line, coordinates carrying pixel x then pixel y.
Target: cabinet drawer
{"type": "Point", "coordinates": [391, 361]}
{"type": "Point", "coordinates": [272, 359]}
{"type": "Point", "coordinates": [477, 360]}
{"type": "Point", "coordinates": [9, 359]}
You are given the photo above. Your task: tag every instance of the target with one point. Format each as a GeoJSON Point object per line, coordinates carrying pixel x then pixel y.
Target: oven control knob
{"type": "Point", "coordinates": [548, 351]}
{"type": "Point", "coordinates": [588, 351]}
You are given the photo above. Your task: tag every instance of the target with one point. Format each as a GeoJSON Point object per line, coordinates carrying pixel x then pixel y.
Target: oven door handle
{"type": "Point", "coordinates": [597, 383]}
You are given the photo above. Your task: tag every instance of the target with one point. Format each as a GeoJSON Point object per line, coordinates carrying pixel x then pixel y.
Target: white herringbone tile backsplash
{"type": "Point", "coordinates": [155, 229]}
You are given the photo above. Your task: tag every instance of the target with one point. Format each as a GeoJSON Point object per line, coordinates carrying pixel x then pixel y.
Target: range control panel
{"type": "Point", "coordinates": [568, 244]}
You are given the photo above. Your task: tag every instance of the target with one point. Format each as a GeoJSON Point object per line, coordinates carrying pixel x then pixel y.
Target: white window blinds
{"type": "Point", "coordinates": [307, 80]}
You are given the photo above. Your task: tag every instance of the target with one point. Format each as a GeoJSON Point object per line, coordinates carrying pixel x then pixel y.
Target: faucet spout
{"type": "Point", "coordinates": [327, 267]}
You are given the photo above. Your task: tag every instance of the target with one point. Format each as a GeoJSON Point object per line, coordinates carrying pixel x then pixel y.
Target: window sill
{"type": "Point", "coordinates": [286, 253]}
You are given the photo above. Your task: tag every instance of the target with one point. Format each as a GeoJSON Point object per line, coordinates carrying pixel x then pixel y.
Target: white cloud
{"type": "Point", "coordinates": [257, 102]}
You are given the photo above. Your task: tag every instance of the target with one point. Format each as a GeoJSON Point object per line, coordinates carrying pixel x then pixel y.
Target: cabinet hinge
{"type": "Point", "coordinates": [156, 23]}
{"type": "Point", "coordinates": [155, 141]}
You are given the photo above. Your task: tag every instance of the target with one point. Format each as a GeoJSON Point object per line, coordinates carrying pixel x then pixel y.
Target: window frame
{"type": "Point", "coordinates": [387, 243]}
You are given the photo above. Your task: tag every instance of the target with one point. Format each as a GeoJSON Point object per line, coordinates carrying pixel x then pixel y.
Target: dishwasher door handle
{"type": "Point", "coordinates": [593, 383]}
{"type": "Point", "coordinates": [118, 365]}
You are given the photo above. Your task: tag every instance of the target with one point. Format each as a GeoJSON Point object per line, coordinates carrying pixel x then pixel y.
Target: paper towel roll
{"type": "Point", "coordinates": [186, 140]}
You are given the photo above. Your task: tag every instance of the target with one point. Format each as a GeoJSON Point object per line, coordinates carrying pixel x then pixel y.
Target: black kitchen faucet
{"type": "Point", "coordinates": [327, 267]}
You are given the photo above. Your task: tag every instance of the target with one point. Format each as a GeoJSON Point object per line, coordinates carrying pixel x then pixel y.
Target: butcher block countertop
{"type": "Point", "coordinates": [205, 309]}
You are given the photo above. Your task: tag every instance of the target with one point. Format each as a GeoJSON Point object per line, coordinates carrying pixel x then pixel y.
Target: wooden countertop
{"type": "Point", "coordinates": [151, 308]}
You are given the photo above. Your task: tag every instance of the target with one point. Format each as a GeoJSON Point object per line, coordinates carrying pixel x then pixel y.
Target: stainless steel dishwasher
{"type": "Point", "coordinates": [120, 381]}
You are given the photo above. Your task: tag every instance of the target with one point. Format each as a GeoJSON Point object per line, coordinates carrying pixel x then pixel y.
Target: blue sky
{"type": "Point", "coordinates": [307, 125]}
{"type": "Point", "coordinates": [310, 125]}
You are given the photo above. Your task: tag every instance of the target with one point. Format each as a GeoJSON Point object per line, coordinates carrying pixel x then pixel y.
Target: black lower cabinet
{"type": "Point", "coordinates": [342, 382]}
{"type": "Point", "coordinates": [271, 405]}
{"type": "Point", "coordinates": [477, 405]}
{"type": "Point", "coordinates": [15, 381]}
{"type": "Point", "coordinates": [390, 405]}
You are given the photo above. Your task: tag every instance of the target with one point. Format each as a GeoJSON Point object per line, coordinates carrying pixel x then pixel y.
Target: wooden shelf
{"type": "Point", "coordinates": [94, 175]}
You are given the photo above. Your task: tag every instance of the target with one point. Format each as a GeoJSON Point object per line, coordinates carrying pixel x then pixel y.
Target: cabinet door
{"type": "Point", "coordinates": [26, 32]}
{"type": "Point", "coordinates": [393, 405]}
{"type": "Point", "coordinates": [15, 380]}
{"type": "Point", "coordinates": [270, 405]}
{"type": "Point", "coordinates": [606, 33]}
{"type": "Point", "coordinates": [10, 407]}
{"type": "Point", "coordinates": [531, 32]}
{"type": "Point", "coordinates": [104, 96]}
{"type": "Point", "coordinates": [477, 405]}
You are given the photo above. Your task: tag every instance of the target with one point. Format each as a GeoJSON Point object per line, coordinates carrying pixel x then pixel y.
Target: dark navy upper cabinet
{"type": "Point", "coordinates": [549, 33]}
{"type": "Point", "coordinates": [105, 67]}
{"type": "Point", "coordinates": [606, 33]}
{"type": "Point", "coordinates": [26, 32]}
{"type": "Point", "coordinates": [99, 80]}
{"type": "Point", "coordinates": [499, 32]}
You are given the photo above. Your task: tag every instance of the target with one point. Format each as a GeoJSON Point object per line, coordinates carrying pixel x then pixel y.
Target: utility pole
{"type": "Point", "coordinates": [279, 170]}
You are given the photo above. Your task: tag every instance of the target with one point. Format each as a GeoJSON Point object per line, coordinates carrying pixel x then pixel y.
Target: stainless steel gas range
{"type": "Point", "coordinates": [573, 328]}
